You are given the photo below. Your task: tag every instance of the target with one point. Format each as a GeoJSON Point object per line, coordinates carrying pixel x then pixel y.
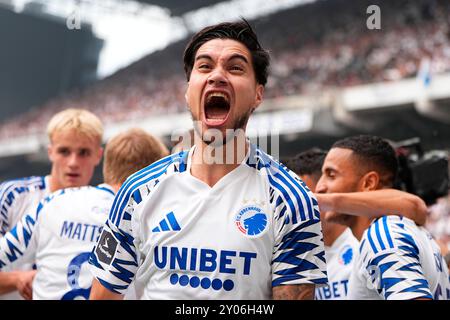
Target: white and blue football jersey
{"type": "Point", "coordinates": [17, 198]}
{"type": "Point", "coordinates": [258, 227]}
{"type": "Point", "coordinates": [60, 234]}
{"type": "Point", "coordinates": [398, 261]}
{"type": "Point", "coordinates": [340, 257]}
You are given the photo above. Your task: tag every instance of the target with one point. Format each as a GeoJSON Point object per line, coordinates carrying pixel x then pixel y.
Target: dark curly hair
{"type": "Point", "coordinates": [307, 162]}
{"type": "Point", "coordinates": [374, 154]}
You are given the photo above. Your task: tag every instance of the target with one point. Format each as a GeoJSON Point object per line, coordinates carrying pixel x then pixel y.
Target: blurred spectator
{"type": "Point", "coordinates": [438, 223]}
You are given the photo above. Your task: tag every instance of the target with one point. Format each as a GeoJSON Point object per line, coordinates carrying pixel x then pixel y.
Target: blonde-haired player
{"type": "Point", "coordinates": [75, 138]}
{"type": "Point", "coordinates": [68, 223]}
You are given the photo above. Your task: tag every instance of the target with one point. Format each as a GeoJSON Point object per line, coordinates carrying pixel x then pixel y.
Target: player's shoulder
{"type": "Point", "coordinates": [22, 185]}
{"type": "Point", "coordinates": [78, 195]}
{"type": "Point", "coordinates": [390, 234]}
{"type": "Point", "coordinates": [285, 187]}
{"type": "Point", "coordinates": [172, 164]}
{"type": "Point", "coordinates": [140, 184]}
{"type": "Point", "coordinates": [275, 171]}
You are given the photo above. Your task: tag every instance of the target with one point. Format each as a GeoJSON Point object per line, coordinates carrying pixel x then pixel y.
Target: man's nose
{"type": "Point", "coordinates": [321, 187]}
{"type": "Point", "coordinates": [217, 77]}
{"type": "Point", "coordinates": [73, 160]}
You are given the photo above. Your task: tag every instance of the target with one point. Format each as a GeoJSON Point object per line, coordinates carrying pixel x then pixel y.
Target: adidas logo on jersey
{"type": "Point", "coordinates": [169, 223]}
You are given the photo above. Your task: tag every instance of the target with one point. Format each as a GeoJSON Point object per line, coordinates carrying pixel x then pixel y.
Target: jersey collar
{"type": "Point", "coordinates": [250, 151]}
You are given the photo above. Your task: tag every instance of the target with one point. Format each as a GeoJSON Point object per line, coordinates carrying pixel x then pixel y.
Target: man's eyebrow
{"type": "Point", "coordinates": [234, 56]}
{"type": "Point", "coordinates": [203, 56]}
{"type": "Point", "coordinates": [238, 56]}
{"type": "Point", "coordinates": [329, 168]}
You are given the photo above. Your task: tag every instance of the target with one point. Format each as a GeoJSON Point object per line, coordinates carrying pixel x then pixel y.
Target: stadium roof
{"type": "Point", "coordinates": [180, 7]}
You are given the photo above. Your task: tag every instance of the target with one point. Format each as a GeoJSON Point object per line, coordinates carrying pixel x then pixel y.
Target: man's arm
{"type": "Point", "coordinates": [294, 292]}
{"type": "Point", "coordinates": [298, 263]}
{"type": "Point", "coordinates": [20, 240]}
{"type": "Point", "coordinates": [17, 280]}
{"type": "Point", "coordinates": [99, 292]}
{"type": "Point", "coordinates": [374, 204]}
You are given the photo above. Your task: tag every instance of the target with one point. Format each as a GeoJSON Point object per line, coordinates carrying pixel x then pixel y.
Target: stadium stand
{"type": "Point", "coordinates": [312, 55]}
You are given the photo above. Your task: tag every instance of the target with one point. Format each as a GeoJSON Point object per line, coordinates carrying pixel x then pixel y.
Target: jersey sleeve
{"type": "Point", "coordinates": [299, 254]}
{"type": "Point", "coordinates": [113, 260]}
{"type": "Point", "coordinates": [396, 273]}
{"type": "Point", "coordinates": [7, 208]}
{"type": "Point", "coordinates": [21, 242]}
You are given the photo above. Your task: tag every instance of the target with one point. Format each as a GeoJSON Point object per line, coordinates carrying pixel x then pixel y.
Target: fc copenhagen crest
{"type": "Point", "coordinates": [251, 221]}
{"type": "Point", "coordinates": [346, 255]}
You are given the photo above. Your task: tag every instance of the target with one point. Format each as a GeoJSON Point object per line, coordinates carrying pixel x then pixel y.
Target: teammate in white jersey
{"type": "Point", "coordinates": [340, 243]}
{"type": "Point", "coordinates": [396, 259]}
{"type": "Point", "coordinates": [75, 137]}
{"type": "Point", "coordinates": [63, 230]}
{"type": "Point", "coordinates": [241, 226]}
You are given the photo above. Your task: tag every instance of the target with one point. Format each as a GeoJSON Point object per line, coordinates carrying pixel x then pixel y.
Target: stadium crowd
{"type": "Point", "coordinates": [337, 51]}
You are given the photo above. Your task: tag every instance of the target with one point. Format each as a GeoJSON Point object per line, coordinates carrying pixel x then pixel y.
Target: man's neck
{"type": "Point", "coordinates": [331, 232]}
{"type": "Point", "coordinates": [53, 184]}
{"type": "Point", "coordinates": [209, 164]}
{"type": "Point", "coordinates": [361, 224]}
{"type": "Point", "coordinates": [115, 187]}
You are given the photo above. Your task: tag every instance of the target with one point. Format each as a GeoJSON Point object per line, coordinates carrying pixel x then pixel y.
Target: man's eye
{"type": "Point", "coordinates": [236, 68]}
{"type": "Point", "coordinates": [85, 153]}
{"type": "Point", "coordinates": [64, 152]}
{"type": "Point", "coordinates": [204, 66]}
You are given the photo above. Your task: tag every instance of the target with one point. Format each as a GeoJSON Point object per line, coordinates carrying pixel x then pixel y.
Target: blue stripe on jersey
{"type": "Point", "coordinates": [8, 188]}
{"type": "Point", "coordinates": [421, 287]}
{"type": "Point", "coordinates": [386, 230]}
{"type": "Point", "coordinates": [135, 181]}
{"type": "Point", "coordinates": [132, 179]}
{"type": "Point", "coordinates": [27, 230]}
{"type": "Point", "coordinates": [11, 254]}
{"type": "Point", "coordinates": [112, 287]}
{"type": "Point", "coordinates": [105, 189]}
{"type": "Point", "coordinates": [125, 240]}
{"type": "Point", "coordinates": [377, 231]}
{"type": "Point", "coordinates": [287, 199]}
{"type": "Point", "coordinates": [280, 179]}
{"type": "Point", "coordinates": [372, 244]}
{"type": "Point", "coordinates": [362, 246]}
{"type": "Point", "coordinates": [122, 272]}
{"type": "Point", "coordinates": [411, 268]}
{"type": "Point", "coordinates": [137, 196]}
{"type": "Point", "coordinates": [293, 244]}
{"type": "Point", "coordinates": [118, 214]}
{"type": "Point", "coordinates": [281, 214]}
{"type": "Point", "coordinates": [5, 187]}
{"type": "Point", "coordinates": [124, 192]}
{"type": "Point", "coordinates": [283, 171]}
{"type": "Point", "coordinates": [409, 245]}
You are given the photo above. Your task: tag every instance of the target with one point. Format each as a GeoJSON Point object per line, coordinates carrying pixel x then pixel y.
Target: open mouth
{"type": "Point", "coordinates": [73, 175]}
{"type": "Point", "coordinates": [217, 107]}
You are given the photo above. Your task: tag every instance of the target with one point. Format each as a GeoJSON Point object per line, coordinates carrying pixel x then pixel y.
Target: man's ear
{"type": "Point", "coordinates": [99, 156]}
{"type": "Point", "coordinates": [259, 95]}
{"type": "Point", "coordinates": [50, 152]}
{"type": "Point", "coordinates": [370, 181]}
